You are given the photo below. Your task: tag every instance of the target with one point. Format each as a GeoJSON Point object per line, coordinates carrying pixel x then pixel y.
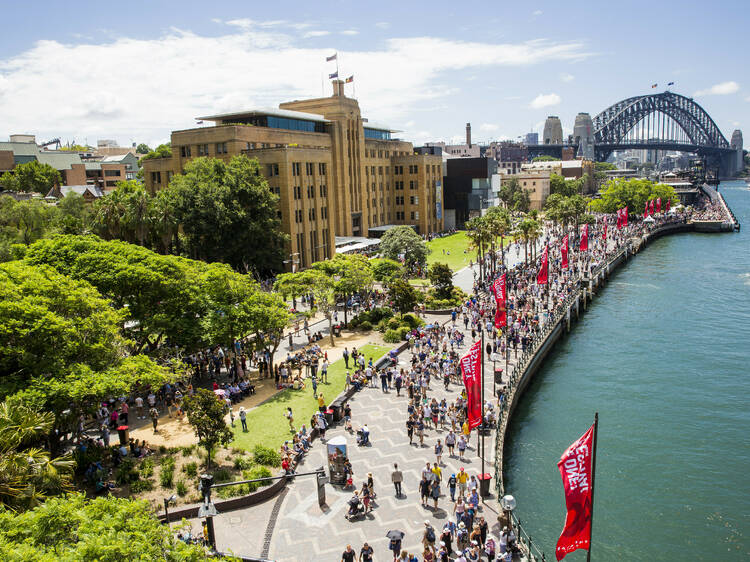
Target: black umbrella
{"type": "Point", "coordinates": [395, 535]}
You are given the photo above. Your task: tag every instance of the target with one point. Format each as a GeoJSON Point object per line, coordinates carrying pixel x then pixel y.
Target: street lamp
{"type": "Point", "coordinates": [495, 356]}
{"type": "Point", "coordinates": [508, 504]}
{"type": "Point", "coordinates": [171, 499]}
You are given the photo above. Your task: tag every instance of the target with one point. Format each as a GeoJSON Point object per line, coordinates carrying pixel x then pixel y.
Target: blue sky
{"type": "Point", "coordinates": [139, 70]}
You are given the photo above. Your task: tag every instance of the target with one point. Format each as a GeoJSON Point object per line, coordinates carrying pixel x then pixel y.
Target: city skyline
{"type": "Point", "coordinates": [138, 75]}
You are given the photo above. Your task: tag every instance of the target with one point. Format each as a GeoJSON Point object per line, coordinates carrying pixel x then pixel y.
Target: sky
{"type": "Point", "coordinates": [136, 71]}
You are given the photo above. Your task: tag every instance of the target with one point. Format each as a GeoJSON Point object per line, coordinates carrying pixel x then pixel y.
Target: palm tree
{"type": "Point", "coordinates": [499, 225]}
{"type": "Point", "coordinates": [479, 235]}
{"type": "Point", "coordinates": [27, 473]}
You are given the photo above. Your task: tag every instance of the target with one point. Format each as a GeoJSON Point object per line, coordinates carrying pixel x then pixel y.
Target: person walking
{"type": "Point", "coordinates": [428, 538]}
{"type": "Point", "coordinates": [397, 477]}
{"type": "Point", "coordinates": [154, 413]}
{"type": "Point", "coordinates": [452, 486]}
{"type": "Point", "coordinates": [243, 420]}
{"type": "Point", "coordinates": [346, 357]}
{"type": "Point", "coordinates": [324, 372]}
{"type": "Point", "coordinates": [290, 417]}
{"type": "Point", "coordinates": [439, 452]}
{"type": "Point", "coordinates": [424, 490]}
{"type": "Point", "coordinates": [321, 403]}
{"type": "Point", "coordinates": [462, 478]}
{"type": "Point", "coordinates": [462, 444]}
{"type": "Point", "coordinates": [435, 491]}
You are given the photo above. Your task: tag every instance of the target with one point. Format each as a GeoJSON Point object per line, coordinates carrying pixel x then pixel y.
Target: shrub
{"type": "Point", "coordinates": [147, 468]}
{"type": "Point", "coordinates": [126, 472]}
{"type": "Point", "coordinates": [141, 486]}
{"type": "Point", "coordinates": [166, 477]}
{"type": "Point", "coordinates": [403, 331]}
{"type": "Point", "coordinates": [392, 336]}
{"type": "Point", "coordinates": [354, 322]}
{"type": "Point", "coordinates": [233, 491]}
{"type": "Point", "coordinates": [241, 463]}
{"type": "Point", "coordinates": [383, 325]}
{"type": "Point", "coordinates": [366, 326]}
{"type": "Point", "coordinates": [191, 469]}
{"type": "Point", "coordinates": [266, 455]}
{"type": "Point", "coordinates": [378, 314]}
{"type": "Point", "coordinates": [167, 462]}
{"type": "Point", "coordinates": [162, 449]}
{"type": "Point", "coordinates": [254, 473]}
{"type": "Point", "coordinates": [411, 320]}
{"type": "Point", "coordinates": [187, 451]}
{"type": "Point", "coordinates": [182, 488]}
{"type": "Point", "coordinates": [222, 475]}
{"type": "Point", "coordinates": [394, 323]}
{"type": "Point", "coordinates": [84, 458]}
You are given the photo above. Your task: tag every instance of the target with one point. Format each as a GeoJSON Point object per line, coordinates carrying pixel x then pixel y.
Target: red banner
{"type": "Point", "coordinates": [619, 219]}
{"type": "Point", "coordinates": [625, 216]}
{"type": "Point", "coordinates": [541, 276]}
{"type": "Point", "coordinates": [658, 205]}
{"type": "Point", "coordinates": [604, 236]}
{"type": "Point", "coordinates": [471, 368]}
{"type": "Point", "coordinates": [575, 469]}
{"type": "Point", "coordinates": [564, 252]}
{"type": "Point", "coordinates": [651, 207]}
{"type": "Point", "coordinates": [667, 205]}
{"type": "Point", "coordinates": [645, 211]}
{"type": "Point", "coordinates": [498, 288]}
{"type": "Point", "coordinates": [584, 238]}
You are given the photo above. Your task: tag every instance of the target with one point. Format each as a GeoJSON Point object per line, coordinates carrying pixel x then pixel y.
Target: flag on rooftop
{"type": "Point", "coordinates": [350, 79]}
{"type": "Point", "coordinates": [670, 84]}
{"type": "Point", "coordinates": [334, 75]}
{"type": "Point", "coordinates": [332, 57]}
{"type": "Point", "coordinates": [654, 85]}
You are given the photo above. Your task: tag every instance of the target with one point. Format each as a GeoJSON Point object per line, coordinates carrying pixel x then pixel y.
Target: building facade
{"type": "Point", "coordinates": [335, 173]}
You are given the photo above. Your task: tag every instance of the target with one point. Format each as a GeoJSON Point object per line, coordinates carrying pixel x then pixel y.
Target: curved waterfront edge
{"type": "Point", "coordinates": [559, 324]}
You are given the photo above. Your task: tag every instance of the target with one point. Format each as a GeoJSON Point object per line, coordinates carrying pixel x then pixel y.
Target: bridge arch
{"type": "Point", "coordinates": [657, 118]}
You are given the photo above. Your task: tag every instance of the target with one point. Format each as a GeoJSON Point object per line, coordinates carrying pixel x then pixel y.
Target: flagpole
{"type": "Point", "coordinates": [481, 433]}
{"type": "Point", "coordinates": [593, 476]}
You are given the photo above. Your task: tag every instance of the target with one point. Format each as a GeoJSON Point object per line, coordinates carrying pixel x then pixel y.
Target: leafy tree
{"type": "Point", "coordinates": [164, 223]}
{"type": "Point", "coordinates": [545, 158]}
{"type": "Point", "coordinates": [74, 214]}
{"type": "Point", "coordinates": [559, 185]}
{"type": "Point", "coordinates": [401, 242]}
{"type": "Point", "coordinates": [384, 269]}
{"type": "Point", "coordinates": [441, 277]}
{"type": "Point", "coordinates": [31, 177]}
{"type": "Point", "coordinates": [403, 295]}
{"type": "Point", "coordinates": [604, 166]}
{"type": "Point", "coordinates": [75, 148]}
{"type": "Point", "coordinates": [268, 318]}
{"type": "Point", "coordinates": [143, 148]}
{"type": "Point", "coordinates": [228, 214]}
{"type": "Point", "coordinates": [499, 224]}
{"type": "Point", "coordinates": [478, 232]}
{"type": "Point", "coordinates": [24, 222]}
{"type": "Point", "coordinates": [291, 285]}
{"type": "Point", "coordinates": [513, 196]}
{"type": "Point", "coordinates": [634, 192]}
{"type": "Point", "coordinates": [161, 151]}
{"type": "Point", "coordinates": [27, 473]}
{"type": "Point", "coordinates": [528, 230]}
{"type": "Point", "coordinates": [205, 412]}
{"type": "Point", "coordinates": [352, 274]}
{"type": "Point", "coordinates": [106, 528]}
{"type": "Point", "coordinates": [323, 290]}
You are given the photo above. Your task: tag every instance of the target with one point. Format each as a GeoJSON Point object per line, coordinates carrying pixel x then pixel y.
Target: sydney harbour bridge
{"type": "Point", "coordinates": [661, 121]}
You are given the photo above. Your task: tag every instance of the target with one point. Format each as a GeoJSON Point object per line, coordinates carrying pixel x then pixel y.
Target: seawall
{"type": "Point", "coordinates": [558, 325]}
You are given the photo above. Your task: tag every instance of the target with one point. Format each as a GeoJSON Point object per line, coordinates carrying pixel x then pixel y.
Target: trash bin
{"type": "Point", "coordinates": [124, 434]}
{"type": "Point", "coordinates": [336, 408]}
{"type": "Point", "coordinates": [498, 376]}
{"type": "Point", "coordinates": [484, 484]}
{"type": "Point", "coordinates": [329, 416]}
{"type": "Point", "coordinates": [337, 330]}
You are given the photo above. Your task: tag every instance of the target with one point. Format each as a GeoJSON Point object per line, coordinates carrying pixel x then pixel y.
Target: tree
{"type": "Point", "coordinates": [31, 177]}
{"type": "Point", "coordinates": [545, 158]}
{"type": "Point", "coordinates": [268, 318]}
{"type": "Point", "coordinates": [143, 148]}
{"type": "Point", "coordinates": [352, 274]}
{"type": "Point", "coordinates": [228, 213]}
{"type": "Point", "coordinates": [567, 188]}
{"type": "Point", "coordinates": [477, 230]}
{"type": "Point", "coordinates": [161, 151]}
{"type": "Point", "coordinates": [384, 269]}
{"type": "Point", "coordinates": [105, 528]}
{"type": "Point", "coordinates": [27, 473]}
{"type": "Point", "coordinates": [403, 295]}
{"type": "Point", "coordinates": [402, 243]}
{"type": "Point", "coordinates": [619, 192]}
{"type": "Point", "coordinates": [74, 214]}
{"type": "Point", "coordinates": [24, 222]}
{"type": "Point", "coordinates": [604, 166]}
{"type": "Point", "coordinates": [528, 230]}
{"type": "Point", "coordinates": [513, 196]}
{"type": "Point", "coordinates": [499, 224]}
{"type": "Point", "coordinates": [205, 412]}
{"type": "Point", "coordinates": [441, 277]}
{"type": "Point", "coordinates": [323, 290]}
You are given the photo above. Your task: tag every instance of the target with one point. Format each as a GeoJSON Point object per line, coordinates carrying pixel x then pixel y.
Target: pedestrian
{"type": "Point", "coordinates": [346, 357]}
{"type": "Point", "coordinates": [397, 478]}
{"type": "Point", "coordinates": [439, 452]}
{"type": "Point", "coordinates": [424, 490]}
{"type": "Point", "coordinates": [450, 442]}
{"type": "Point", "coordinates": [321, 424]}
{"type": "Point", "coordinates": [231, 415]}
{"type": "Point", "coordinates": [365, 554]}
{"type": "Point", "coordinates": [462, 478]}
{"type": "Point", "coordinates": [446, 539]}
{"type": "Point", "coordinates": [435, 491]}
{"type": "Point", "coordinates": [462, 444]}
{"type": "Point", "coordinates": [452, 487]}
{"type": "Point", "coordinates": [395, 547]}
{"type": "Point", "coordinates": [139, 408]}
{"type": "Point", "coordinates": [349, 554]}
{"type": "Point", "coordinates": [321, 404]}
{"type": "Point", "coordinates": [314, 381]}
{"type": "Point", "coordinates": [428, 538]}
{"type": "Point", "coordinates": [420, 431]}
{"type": "Point", "coordinates": [384, 381]}
{"type": "Point", "coordinates": [243, 420]}
{"type": "Point", "coordinates": [410, 429]}
{"type": "Point", "coordinates": [399, 383]}
{"type": "Point", "coordinates": [104, 432]}
{"type": "Point", "coordinates": [290, 417]}
{"type": "Point", "coordinates": [154, 413]}
{"type": "Point", "coordinates": [324, 372]}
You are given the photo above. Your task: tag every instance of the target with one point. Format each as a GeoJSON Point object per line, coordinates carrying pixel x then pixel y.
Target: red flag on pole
{"type": "Point", "coordinates": [619, 219]}
{"type": "Point", "coordinates": [498, 289]}
{"type": "Point", "coordinates": [584, 238]}
{"type": "Point", "coordinates": [541, 276]}
{"type": "Point", "coordinates": [667, 205]}
{"type": "Point", "coordinates": [645, 211]}
{"type": "Point", "coordinates": [564, 252]}
{"type": "Point", "coordinates": [471, 368]}
{"type": "Point", "coordinates": [658, 205]}
{"type": "Point", "coordinates": [651, 207]}
{"type": "Point", "coordinates": [625, 216]}
{"type": "Point", "coordinates": [604, 236]}
{"type": "Point", "coordinates": [576, 469]}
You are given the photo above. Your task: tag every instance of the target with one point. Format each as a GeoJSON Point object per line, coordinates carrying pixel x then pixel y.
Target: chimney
{"type": "Point", "coordinates": [338, 88]}
{"type": "Point", "coordinates": [468, 134]}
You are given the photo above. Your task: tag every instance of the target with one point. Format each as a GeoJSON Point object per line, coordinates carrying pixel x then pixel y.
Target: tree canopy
{"type": "Point", "coordinates": [441, 277]}
{"type": "Point", "coordinates": [401, 242]}
{"type": "Point", "coordinates": [545, 158]}
{"type": "Point", "coordinates": [161, 151]}
{"type": "Point", "coordinates": [403, 295]}
{"type": "Point", "coordinates": [619, 192]}
{"type": "Point", "coordinates": [31, 177]}
{"type": "Point", "coordinates": [143, 148]}
{"type": "Point", "coordinates": [513, 196]}
{"type": "Point", "coordinates": [205, 412]}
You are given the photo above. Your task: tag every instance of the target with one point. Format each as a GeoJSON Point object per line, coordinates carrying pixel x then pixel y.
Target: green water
{"type": "Point", "coordinates": [664, 355]}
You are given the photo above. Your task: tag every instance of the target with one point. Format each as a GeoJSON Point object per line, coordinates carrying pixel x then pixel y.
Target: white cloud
{"type": "Point", "coordinates": [383, 25]}
{"type": "Point", "coordinates": [252, 65]}
{"type": "Point", "coordinates": [545, 100]}
{"type": "Point", "coordinates": [537, 13]}
{"type": "Point", "coordinates": [565, 77]}
{"type": "Point", "coordinates": [488, 127]}
{"type": "Point", "coordinates": [722, 89]}
{"type": "Point", "coordinates": [316, 33]}
{"type": "Point", "coordinates": [350, 32]}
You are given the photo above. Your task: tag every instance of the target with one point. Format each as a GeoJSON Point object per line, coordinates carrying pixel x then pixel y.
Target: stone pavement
{"type": "Point", "coordinates": [301, 530]}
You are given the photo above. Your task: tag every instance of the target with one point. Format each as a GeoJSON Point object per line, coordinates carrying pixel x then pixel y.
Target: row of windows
{"type": "Point", "coordinates": [297, 191]}
{"type": "Point", "coordinates": [413, 200]}
{"type": "Point", "coordinates": [311, 215]}
{"type": "Point", "coordinates": [219, 148]}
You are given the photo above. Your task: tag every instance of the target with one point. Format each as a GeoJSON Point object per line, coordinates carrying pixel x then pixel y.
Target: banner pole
{"type": "Point", "coordinates": [481, 433]}
{"type": "Point", "coordinates": [593, 478]}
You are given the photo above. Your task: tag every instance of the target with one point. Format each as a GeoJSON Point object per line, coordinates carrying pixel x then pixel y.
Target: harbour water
{"type": "Point", "coordinates": [663, 354]}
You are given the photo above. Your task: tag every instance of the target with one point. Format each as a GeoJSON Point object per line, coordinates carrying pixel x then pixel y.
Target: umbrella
{"type": "Point", "coordinates": [395, 535]}
{"type": "Point", "coordinates": [219, 392]}
{"type": "Point", "coordinates": [649, 219]}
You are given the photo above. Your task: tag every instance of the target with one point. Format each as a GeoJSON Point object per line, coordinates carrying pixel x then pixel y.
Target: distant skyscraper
{"type": "Point", "coordinates": [583, 135]}
{"type": "Point", "coordinates": [532, 138]}
{"type": "Point", "coordinates": [552, 130]}
{"type": "Point", "coordinates": [736, 144]}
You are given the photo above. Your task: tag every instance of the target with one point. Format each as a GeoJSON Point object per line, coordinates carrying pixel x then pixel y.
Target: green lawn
{"type": "Point", "coordinates": [267, 424]}
{"type": "Point", "coordinates": [455, 244]}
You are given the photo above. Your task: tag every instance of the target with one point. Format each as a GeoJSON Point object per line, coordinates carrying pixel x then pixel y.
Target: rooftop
{"type": "Point", "coordinates": [285, 113]}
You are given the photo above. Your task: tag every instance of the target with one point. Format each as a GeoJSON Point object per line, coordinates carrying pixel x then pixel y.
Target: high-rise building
{"type": "Point", "coordinates": [583, 135]}
{"type": "Point", "coordinates": [336, 174]}
{"type": "Point", "coordinates": [552, 131]}
{"type": "Point", "coordinates": [532, 139]}
{"type": "Point", "coordinates": [736, 144]}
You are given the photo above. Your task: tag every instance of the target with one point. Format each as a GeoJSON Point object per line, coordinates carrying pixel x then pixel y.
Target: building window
{"type": "Point", "coordinates": [273, 170]}
{"type": "Point", "coordinates": [221, 148]}
{"type": "Point", "coordinates": [297, 192]}
{"type": "Point", "coordinates": [185, 151]}
{"type": "Point", "coordinates": [295, 168]}
{"type": "Point", "coordinates": [412, 215]}
{"type": "Point", "coordinates": [413, 184]}
{"type": "Point", "coordinates": [202, 150]}
{"type": "Point", "coordinates": [155, 177]}
{"type": "Point", "coordinates": [110, 173]}
{"type": "Point", "coordinates": [310, 191]}
{"type": "Point", "coordinates": [309, 168]}
{"type": "Point", "coordinates": [322, 169]}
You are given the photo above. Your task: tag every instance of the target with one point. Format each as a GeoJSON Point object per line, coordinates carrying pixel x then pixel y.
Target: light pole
{"type": "Point", "coordinates": [508, 504]}
{"type": "Point", "coordinates": [171, 499]}
{"type": "Point", "coordinates": [495, 356]}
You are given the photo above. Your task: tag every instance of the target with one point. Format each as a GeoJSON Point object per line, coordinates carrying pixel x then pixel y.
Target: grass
{"type": "Point", "coordinates": [267, 424]}
{"type": "Point", "coordinates": [455, 244]}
